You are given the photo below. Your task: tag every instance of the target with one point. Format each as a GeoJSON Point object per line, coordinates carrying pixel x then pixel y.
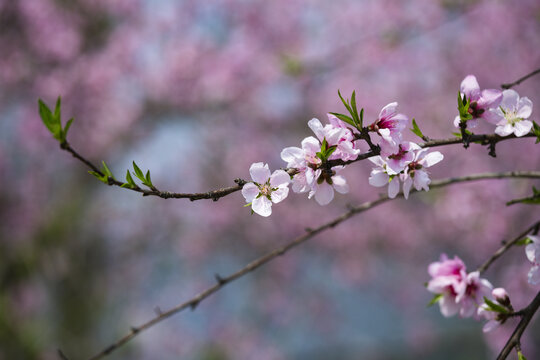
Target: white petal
{"type": "Point", "coordinates": [279, 177]}
{"type": "Point", "coordinates": [470, 87]}
{"type": "Point", "coordinates": [407, 184]}
{"type": "Point", "coordinates": [393, 187]}
{"type": "Point", "coordinates": [279, 195]}
{"type": "Point", "coordinates": [324, 194]}
{"type": "Point", "coordinates": [378, 178]}
{"type": "Point", "coordinates": [534, 275]}
{"type": "Point", "coordinates": [259, 172]}
{"type": "Point", "coordinates": [432, 159]}
{"type": "Point", "coordinates": [340, 184]}
{"type": "Point", "coordinates": [300, 183]}
{"type": "Point", "coordinates": [494, 116]}
{"type": "Point", "coordinates": [262, 206]}
{"type": "Point", "coordinates": [421, 180]}
{"type": "Point", "coordinates": [522, 127]}
{"type": "Point", "coordinates": [457, 120]}
{"type": "Point", "coordinates": [293, 156]}
{"type": "Point", "coordinates": [316, 126]}
{"type": "Point", "coordinates": [388, 110]}
{"type": "Point", "coordinates": [490, 98]}
{"type": "Point", "coordinates": [311, 146]}
{"type": "Point", "coordinates": [532, 250]}
{"type": "Point", "coordinates": [510, 99]}
{"type": "Point", "coordinates": [490, 325]}
{"type": "Point", "coordinates": [250, 192]}
{"type": "Point", "coordinates": [504, 130]}
{"type": "Point", "coordinates": [377, 160]}
{"type": "Point", "coordinates": [524, 108]}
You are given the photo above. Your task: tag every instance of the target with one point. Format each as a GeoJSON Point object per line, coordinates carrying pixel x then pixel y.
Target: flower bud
{"type": "Point", "coordinates": [501, 296]}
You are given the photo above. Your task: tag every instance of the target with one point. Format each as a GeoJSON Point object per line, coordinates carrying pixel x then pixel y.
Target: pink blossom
{"type": "Point", "coordinates": [460, 292]}
{"type": "Point", "coordinates": [533, 254]}
{"type": "Point", "coordinates": [265, 188]}
{"type": "Point", "coordinates": [338, 135]}
{"type": "Point", "coordinates": [383, 175]}
{"type": "Point", "coordinates": [511, 116]}
{"type": "Point", "coordinates": [389, 126]}
{"type": "Point", "coordinates": [480, 100]}
{"type": "Point", "coordinates": [305, 160]}
{"type": "Point", "coordinates": [500, 297]}
{"type": "Point", "coordinates": [403, 156]}
{"type": "Point", "coordinates": [327, 182]}
{"type": "Point", "coordinates": [415, 173]}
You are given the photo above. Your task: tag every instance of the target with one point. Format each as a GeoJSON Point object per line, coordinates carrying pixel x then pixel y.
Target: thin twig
{"type": "Point", "coordinates": [514, 340]}
{"type": "Point", "coordinates": [483, 139]}
{"type": "Point", "coordinates": [507, 246]}
{"type": "Point", "coordinates": [222, 281]}
{"type": "Point", "coordinates": [519, 81]}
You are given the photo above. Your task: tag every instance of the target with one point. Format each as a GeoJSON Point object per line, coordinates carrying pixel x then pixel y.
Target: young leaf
{"type": "Point", "coordinates": [524, 241]}
{"type": "Point", "coordinates": [138, 173]}
{"type": "Point", "coordinates": [495, 307]}
{"type": "Point", "coordinates": [416, 130]}
{"type": "Point", "coordinates": [346, 103]}
{"type": "Point", "coordinates": [356, 118]}
{"type": "Point", "coordinates": [435, 300]}
{"type": "Point", "coordinates": [344, 118]}
{"type": "Point", "coordinates": [57, 114]}
{"type": "Point", "coordinates": [521, 356]}
{"type": "Point", "coordinates": [51, 122]}
{"type": "Point", "coordinates": [106, 170]}
{"type": "Point", "coordinates": [66, 129]}
{"type": "Point", "coordinates": [536, 131]}
{"type": "Point", "coordinates": [148, 179]}
{"type": "Point", "coordinates": [102, 178]}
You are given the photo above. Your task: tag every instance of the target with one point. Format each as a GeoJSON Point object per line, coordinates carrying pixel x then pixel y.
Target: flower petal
{"type": "Point", "coordinates": [407, 184]}
{"type": "Point", "coordinates": [393, 187]}
{"type": "Point", "coordinates": [534, 275]}
{"type": "Point", "coordinates": [510, 99]}
{"type": "Point", "coordinates": [378, 178]}
{"type": "Point", "coordinates": [490, 98]}
{"type": "Point", "coordinates": [259, 172]}
{"type": "Point", "coordinates": [280, 194]}
{"type": "Point", "coordinates": [262, 206]}
{"type": "Point", "coordinates": [250, 192]}
{"type": "Point", "coordinates": [324, 194]}
{"type": "Point", "coordinates": [279, 177]}
{"type": "Point", "coordinates": [469, 87]}
{"type": "Point", "coordinates": [432, 159]}
{"type": "Point", "coordinates": [293, 156]}
{"type": "Point", "coordinates": [316, 126]}
{"type": "Point", "coordinates": [524, 108]}
{"type": "Point", "coordinates": [388, 110]}
{"type": "Point", "coordinates": [340, 184]}
{"type": "Point", "coordinates": [522, 127]}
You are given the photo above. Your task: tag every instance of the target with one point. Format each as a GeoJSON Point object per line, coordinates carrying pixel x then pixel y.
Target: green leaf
{"type": "Point", "coordinates": [416, 130]}
{"type": "Point", "coordinates": [361, 117]}
{"type": "Point", "coordinates": [495, 307]}
{"type": "Point", "coordinates": [66, 129]}
{"type": "Point", "coordinates": [536, 131]}
{"type": "Point", "coordinates": [346, 103]}
{"type": "Point", "coordinates": [521, 356]}
{"type": "Point", "coordinates": [344, 118]}
{"type": "Point", "coordinates": [148, 179]}
{"type": "Point", "coordinates": [57, 114]}
{"type": "Point", "coordinates": [51, 122]}
{"type": "Point", "coordinates": [525, 241]}
{"type": "Point", "coordinates": [329, 151]}
{"type": "Point", "coordinates": [355, 110]}
{"type": "Point", "coordinates": [435, 300]}
{"type": "Point", "coordinates": [106, 170]}
{"type": "Point", "coordinates": [129, 181]}
{"type": "Point", "coordinates": [102, 178]}
{"type": "Point", "coordinates": [138, 173]}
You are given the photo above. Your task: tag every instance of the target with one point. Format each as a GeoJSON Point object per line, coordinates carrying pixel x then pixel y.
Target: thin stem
{"type": "Point", "coordinates": [519, 81]}
{"type": "Point", "coordinates": [515, 339]}
{"type": "Point", "coordinates": [508, 245]}
{"type": "Point", "coordinates": [222, 281]}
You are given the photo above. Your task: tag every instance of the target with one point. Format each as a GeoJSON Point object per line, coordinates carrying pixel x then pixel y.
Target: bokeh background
{"type": "Point", "coordinates": [196, 91]}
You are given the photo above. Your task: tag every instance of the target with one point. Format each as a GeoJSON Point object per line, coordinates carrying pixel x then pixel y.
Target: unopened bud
{"type": "Point", "coordinates": [501, 296]}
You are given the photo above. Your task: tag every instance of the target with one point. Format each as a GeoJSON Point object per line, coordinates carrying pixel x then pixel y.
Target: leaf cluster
{"type": "Point", "coordinates": [356, 119]}
{"type": "Point", "coordinates": [53, 121]}
{"type": "Point", "coordinates": [463, 107]}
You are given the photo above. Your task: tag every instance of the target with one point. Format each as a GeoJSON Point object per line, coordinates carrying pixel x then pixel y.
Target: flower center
{"type": "Point", "coordinates": [266, 190]}
{"type": "Point", "coordinates": [512, 118]}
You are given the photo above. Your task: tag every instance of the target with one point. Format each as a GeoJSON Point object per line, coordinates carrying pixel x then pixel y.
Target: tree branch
{"type": "Point", "coordinates": [483, 139]}
{"type": "Point", "coordinates": [515, 339]}
{"type": "Point", "coordinates": [519, 81]}
{"type": "Point", "coordinates": [531, 229]}
{"type": "Point", "coordinates": [222, 281]}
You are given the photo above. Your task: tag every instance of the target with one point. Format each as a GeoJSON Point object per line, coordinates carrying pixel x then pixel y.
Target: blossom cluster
{"type": "Point", "coordinates": [314, 167]}
{"type": "Point", "coordinates": [468, 294]}
{"type": "Point", "coordinates": [400, 161]}
{"type": "Point", "coordinates": [505, 109]}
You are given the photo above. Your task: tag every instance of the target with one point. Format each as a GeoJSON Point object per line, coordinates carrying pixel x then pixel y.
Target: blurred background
{"type": "Point", "coordinates": [196, 91]}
